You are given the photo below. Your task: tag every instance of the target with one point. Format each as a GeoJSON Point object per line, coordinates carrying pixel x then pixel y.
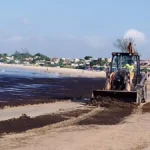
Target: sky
{"type": "Point", "coordinates": [73, 28]}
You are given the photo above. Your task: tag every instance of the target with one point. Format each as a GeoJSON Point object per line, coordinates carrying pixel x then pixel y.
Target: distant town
{"type": "Point", "coordinates": [38, 59]}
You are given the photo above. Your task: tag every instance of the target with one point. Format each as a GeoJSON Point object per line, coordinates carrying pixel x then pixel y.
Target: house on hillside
{"type": "Point", "coordinates": [10, 57]}
{"type": "Point", "coordinates": [76, 60]}
{"type": "Point", "coordinates": [55, 60]}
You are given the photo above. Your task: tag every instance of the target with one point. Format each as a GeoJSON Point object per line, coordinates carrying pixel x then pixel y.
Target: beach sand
{"type": "Point", "coordinates": [36, 110]}
{"type": "Point", "coordinates": [130, 134]}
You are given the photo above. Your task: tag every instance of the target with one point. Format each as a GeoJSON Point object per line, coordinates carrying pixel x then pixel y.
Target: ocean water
{"type": "Point", "coordinates": [17, 83]}
{"type": "Point", "coordinates": [19, 72]}
{"type": "Point", "coordinates": [21, 84]}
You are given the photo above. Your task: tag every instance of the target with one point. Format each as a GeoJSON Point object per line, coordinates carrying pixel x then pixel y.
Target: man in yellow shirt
{"type": "Point", "coordinates": [129, 65]}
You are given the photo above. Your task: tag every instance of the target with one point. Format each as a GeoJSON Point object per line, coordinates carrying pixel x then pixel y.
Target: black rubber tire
{"type": "Point", "coordinates": [145, 94]}
{"type": "Point", "coordinates": [139, 99]}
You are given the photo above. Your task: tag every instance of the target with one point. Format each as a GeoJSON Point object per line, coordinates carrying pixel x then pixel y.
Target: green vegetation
{"type": "Point", "coordinates": [38, 59]}
{"type": "Point", "coordinates": [24, 57]}
{"type": "Point", "coordinates": [88, 57]}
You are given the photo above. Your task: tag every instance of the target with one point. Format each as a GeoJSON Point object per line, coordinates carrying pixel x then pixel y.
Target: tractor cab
{"type": "Point", "coordinates": [119, 60]}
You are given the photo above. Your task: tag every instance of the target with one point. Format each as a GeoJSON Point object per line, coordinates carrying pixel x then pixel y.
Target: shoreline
{"type": "Point", "coordinates": [62, 71]}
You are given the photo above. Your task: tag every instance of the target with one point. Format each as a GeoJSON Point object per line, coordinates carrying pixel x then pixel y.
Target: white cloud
{"type": "Point", "coordinates": [137, 35]}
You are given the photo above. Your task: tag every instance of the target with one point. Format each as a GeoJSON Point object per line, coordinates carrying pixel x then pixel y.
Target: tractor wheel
{"type": "Point", "coordinates": [144, 94]}
{"type": "Point", "coordinates": [138, 99]}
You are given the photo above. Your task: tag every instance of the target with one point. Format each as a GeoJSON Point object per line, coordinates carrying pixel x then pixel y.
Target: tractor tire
{"type": "Point", "coordinates": [144, 94]}
{"type": "Point", "coordinates": [139, 95]}
{"type": "Point", "coordinates": [139, 100]}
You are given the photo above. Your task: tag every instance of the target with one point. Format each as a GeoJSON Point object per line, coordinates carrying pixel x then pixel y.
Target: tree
{"type": "Point", "coordinates": [106, 61]}
{"type": "Point", "coordinates": [38, 55]}
{"type": "Point", "coordinates": [5, 55]}
{"type": "Point", "coordinates": [123, 43]}
{"type": "Point", "coordinates": [61, 62]}
{"type": "Point", "coordinates": [93, 63]}
{"type": "Point", "coordinates": [88, 57]}
{"type": "Point", "coordinates": [33, 61]}
{"type": "Point", "coordinates": [100, 61]}
{"type": "Point", "coordinates": [41, 57]}
{"type": "Point", "coordinates": [11, 62]}
{"type": "Point", "coordinates": [21, 56]}
{"type": "Point", "coordinates": [16, 53]}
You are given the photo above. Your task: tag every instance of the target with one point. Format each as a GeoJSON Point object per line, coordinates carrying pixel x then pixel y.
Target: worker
{"type": "Point", "coordinates": [129, 65]}
{"type": "Point", "coordinates": [130, 48]}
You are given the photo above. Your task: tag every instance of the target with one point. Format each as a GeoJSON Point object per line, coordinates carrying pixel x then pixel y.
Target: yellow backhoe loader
{"type": "Point", "coordinates": [124, 81]}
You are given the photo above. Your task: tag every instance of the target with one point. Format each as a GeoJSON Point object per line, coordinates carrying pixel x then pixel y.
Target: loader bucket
{"type": "Point", "coordinates": [124, 96]}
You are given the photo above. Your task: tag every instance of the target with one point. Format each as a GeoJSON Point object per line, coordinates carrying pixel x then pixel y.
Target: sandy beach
{"type": "Point", "coordinates": [74, 124]}
{"type": "Point", "coordinates": [63, 71]}
{"type": "Point", "coordinates": [106, 129]}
